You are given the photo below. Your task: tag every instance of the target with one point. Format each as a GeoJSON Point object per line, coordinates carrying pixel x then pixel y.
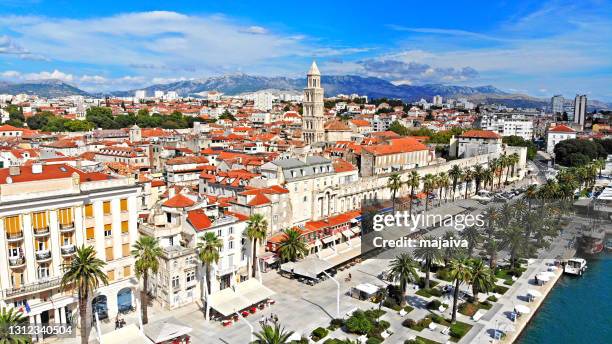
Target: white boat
{"type": "Point", "coordinates": [575, 266]}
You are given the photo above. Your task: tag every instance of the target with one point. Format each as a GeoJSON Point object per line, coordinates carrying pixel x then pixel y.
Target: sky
{"type": "Point", "coordinates": [540, 48]}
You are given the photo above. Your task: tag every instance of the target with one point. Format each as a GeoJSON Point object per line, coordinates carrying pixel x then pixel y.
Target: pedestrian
{"type": "Point", "coordinates": [536, 279]}
{"type": "Point", "coordinates": [350, 276]}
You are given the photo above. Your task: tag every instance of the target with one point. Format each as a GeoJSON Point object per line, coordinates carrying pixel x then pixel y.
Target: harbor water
{"type": "Point", "coordinates": [578, 310]}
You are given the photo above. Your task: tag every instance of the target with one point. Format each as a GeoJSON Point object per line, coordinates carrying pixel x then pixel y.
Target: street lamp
{"type": "Point", "coordinates": [248, 324]}
{"type": "Point", "coordinates": [337, 293]}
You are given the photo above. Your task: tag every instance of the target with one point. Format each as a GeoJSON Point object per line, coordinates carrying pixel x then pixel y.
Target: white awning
{"type": "Point", "coordinates": [309, 267]}
{"type": "Point", "coordinates": [522, 309]}
{"type": "Point", "coordinates": [356, 230]}
{"type": "Point", "coordinates": [241, 296]}
{"type": "Point", "coordinates": [367, 288]}
{"type": "Point", "coordinates": [166, 329]}
{"type": "Point", "coordinates": [329, 239]}
{"type": "Point", "coordinates": [127, 334]}
{"type": "Point", "coordinates": [347, 233]}
{"type": "Point", "coordinates": [534, 293]}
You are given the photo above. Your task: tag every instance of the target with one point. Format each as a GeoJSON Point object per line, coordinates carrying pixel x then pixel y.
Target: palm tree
{"type": "Point", "coordinates": [292, 245]}
{"type": "Point", "coordinates": [85, 274]}
{"type": "Point", "coordinates": [9, 317]}
{"type": "Point", "coordinates": [513, 238]}
{"type": "Point", "coordinates": [147, 252]}
{"type": "Point", "coordinates": [488, 177]}
{"type": "Point", "coordinates": [428, 187]}
{"type": "Point", "coordinates": [272, 335]}
{"type": "Point", "coordinates": [455, 174]}
{"type": "Point", "coordinates": [531, 194]}
{"type": "Point", "coordinates": [468, 176]}
{"type": "Point", "coordinates": [404, 269]}
{"type": "Point", "coordinates": [460, 273]}
{"type": "Point", "coordinates": [430, 255]}
{"type": "Point", "coordinates": [413, 181]}
{"type": "Point", "coordinates": [208, 253]}
{"type": "Point", "coordinates": [478, 176]}
{"type": "Point", "coordinates": [257, 229]}
{"type": "Point", "coordinates": [394, 183]}
{"type": "Point", "coordinates": [472, 236]}
{"type": "Point", "coordinates": [514, 159]}
{"type": "Point", "coordinates": [443, 184]}
{"type": "Point", "coordinates": [482, 279]}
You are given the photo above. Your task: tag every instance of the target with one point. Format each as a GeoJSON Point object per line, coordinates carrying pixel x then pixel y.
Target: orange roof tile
{"type": "Point", "coordinates": [179, 201]}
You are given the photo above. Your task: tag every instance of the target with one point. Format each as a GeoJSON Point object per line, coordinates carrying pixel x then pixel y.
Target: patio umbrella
{"type": "Point", "coordinates": [534, 293]}
{"type": "Point", "coordinates": [543, 277]}
{"type": "Point", "coordinates": [522, 309]}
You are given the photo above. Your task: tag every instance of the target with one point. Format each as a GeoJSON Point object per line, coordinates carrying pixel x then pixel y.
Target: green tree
{"type": "Point", "coordinates": [147, 252]}
{"type": "Point", "coordinates": [10, 317]}
{"type": "Point", "coordinates": [413, 182]}
{"type": "Point", "coordinates": [257, 229]}
{"type": "Point", "coordinates": [85, 273]}
{"type": "Point", "coordinates": [460, 273]}
{"type": "Point", "coordinates": [394, 183]}
{"type": "Point", "coordinates": [472, 236]}
{"type": "Point", "coordinates": [431, 255]}
{"type": "Point", "coordinates": [272, 334]}
{"type": "Point", "coordinates": [455, 174]}
{"type": "Point", "coordinates": [429, 183]}
{"type": "Point", "coordinates": [482, 279]}
{"type": "Point", "coordinates": [398, 128]}
{"type": "Point", "coordinates": [39, 120]}
{"type": "Point", "coordinates": [208, 253]}
{"type": "Point", "coordinates": [292, 245]}
{"type": "Point", "coordinates": [404, 269]}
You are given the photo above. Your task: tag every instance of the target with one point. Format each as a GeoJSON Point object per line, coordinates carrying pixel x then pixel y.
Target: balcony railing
{"type": "Point", "coordinates": [67, 227]}
{"type": "Point", "coordinates": [33, 287]}
{"type": "Point", "coordinates": [41, 231]}
{"type": "Point", "coordinates": [68, 249]}
{"type": "Point", "coordinates": [43, 255]}
{"type": "Point", "coordinates": [16, 261]}
{"type": "Point", "coordinates": [14, 236]}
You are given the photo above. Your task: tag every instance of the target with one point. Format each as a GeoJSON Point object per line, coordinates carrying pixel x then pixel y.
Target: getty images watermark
{"type": "Point", "coordinates": [384, 229]}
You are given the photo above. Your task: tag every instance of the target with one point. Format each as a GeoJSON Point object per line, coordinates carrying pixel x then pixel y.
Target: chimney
{"type": "Point", "coordinates": [37, 168]}
{"type": "Point", "coordinates": [14, 170]}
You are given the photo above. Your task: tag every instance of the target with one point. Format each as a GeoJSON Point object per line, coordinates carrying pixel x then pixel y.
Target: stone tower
{"type": "Point", "coordinates": [313, 120]}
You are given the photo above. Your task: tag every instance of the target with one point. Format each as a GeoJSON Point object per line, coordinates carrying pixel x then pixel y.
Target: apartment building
{"type": "Point", "coordinates": [508, 124]}
{"type": "Point", "coordinates": [46, 212]}
{"type": "Point", "coordinates": [392, 156]}
{"type": "Point", "coordinates": [475, 142]}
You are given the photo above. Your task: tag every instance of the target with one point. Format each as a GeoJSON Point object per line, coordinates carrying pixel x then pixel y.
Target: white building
{"type": "Point", "coordinates": [508, 124]}
{"type": "Point", "coordinates": [313, 120]}
{"type": "Point", "coordinates": [263, 101]}
{"type": "Point", "coordinates": [437, 100]}
{"type": "Point", "coordinates": [159, 94]}
{"type": "Point", "coordinates": [557, 134]}
{"type": "Point", "coordinates": [580, 106]}
{"type": "Point", "coordinates": [475, 142]}
{"type": "Point", "coordinates": [46, 212]}
{"type": "Point", "coordinates": [140, 94]}
{"type": "Point", "coordinates": [556, 104]}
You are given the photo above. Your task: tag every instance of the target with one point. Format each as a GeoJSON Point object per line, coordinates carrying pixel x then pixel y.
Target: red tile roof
{"type": "Point", "coordinates": [562, 129]}
{"type": "Point", "coordinates": [199, 220]}
{"type": "Point", "coordinates": [179, 201]}
{"type": "Point", "coordinates": [55, 171]}
{"type": "Point", "coordinates": [259, 199]}
{"type": "Point", "coordinates": [395, 146]}
{"type": "Point", "coordinates": [341, 165]}
{"type": "Point", "coordinates": [480, 134]}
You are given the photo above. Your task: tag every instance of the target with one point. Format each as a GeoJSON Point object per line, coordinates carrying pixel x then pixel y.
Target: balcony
{"type": "Point", "coordinates": [12, 237]}
{"type": "Point", "coordinates": [41, 232]}
{"type": "Point", "coordinates": [43, 256]}
{"type": "Point", "coordinates": [68, 250]}
{"type": "Point", "coordinates": [69, 227]}
{"type": "Point", "coordinates": [16, 262]}
{"type": "Point", "coordinates": [41, 285]}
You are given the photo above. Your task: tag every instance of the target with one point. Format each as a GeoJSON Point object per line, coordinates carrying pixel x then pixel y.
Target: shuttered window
{"type": "Point", "coordinates": [108, 230]}
{"type": "Point", "coordinates": [125, 248]}
{"type": "Point", "coordinates": [111, 275]}
{"type": "Point", "coordinates": [65, 216]}
{"type": "Point", "coordinates": [127, 271]}
{"type": "Point", "coordinates": [124, 205]}
{"type": "Point", "coordinates": [89, 233]}
{"type": "Point", "coordinates": [109, 254]}
{"type": "Point", "coordinates": [106, 206]}
{"type": "Point", "coordinates": [89, 210]}
{"type": "Point", "coordinates": [12, 224]}
{"type": "Point", "coordinates": [39, 220]}
{"type": "Point", "coordinates": [124, 227]}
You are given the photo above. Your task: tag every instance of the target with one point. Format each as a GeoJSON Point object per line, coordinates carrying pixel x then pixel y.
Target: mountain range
{"type": "Point", "coordinates": [333, 84]}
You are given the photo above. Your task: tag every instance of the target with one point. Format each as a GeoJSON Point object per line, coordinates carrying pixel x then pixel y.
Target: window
{"type": "Point", "coordinates": [110, 275]}
{"type": "Point", "coordinates": [125, 250]}
{"type": "Point", "coordinates": [106, 206]}
{"type": "Point", "coordinates": [219, 233]}
{"type": "Point", "coordinates": [108, 230]}
{"type": "Point", "coordinates": [109, 254]}
{"type": "Point", "coordinates": [89, 210]}
{"type": "Point", "coordinates": [65, 217]}
{"type": "Point", "coordinates": [175, 282]}
{"type": "Point", "coordinates": [12, 225]}
{"type": "Point", "coordinates": [124, 227]}
{"type": "Point", "coordinates": [231, 230]}
{"type": "Point", "coordinates": [89, 233]}
{"type": "Point", "coordinates": [41, 245]}
{"type": "Point", "coordinates": [190, 276]}
{"type": "Point", "coordinates": [127, 271]}
{"type": "Point", "coordinates": [124, 205]}
{"type": "Point", "coordinates": [231, 244]}
{"type": "Point", "coordinates": [42, 271]}
{"type": "Point", "coordinates": [39, 220]}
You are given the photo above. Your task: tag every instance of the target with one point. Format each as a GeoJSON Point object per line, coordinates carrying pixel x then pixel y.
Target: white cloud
{"type": "Point", "coordinates": [56, 74]}
{"type": "Point", "coordinates": [10, 74]}
{"type": "Point", "coordinates": [256, 30]}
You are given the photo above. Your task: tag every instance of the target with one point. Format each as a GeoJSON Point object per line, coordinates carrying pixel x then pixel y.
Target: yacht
{"type": "Point", "coordinates": [575, 266]}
